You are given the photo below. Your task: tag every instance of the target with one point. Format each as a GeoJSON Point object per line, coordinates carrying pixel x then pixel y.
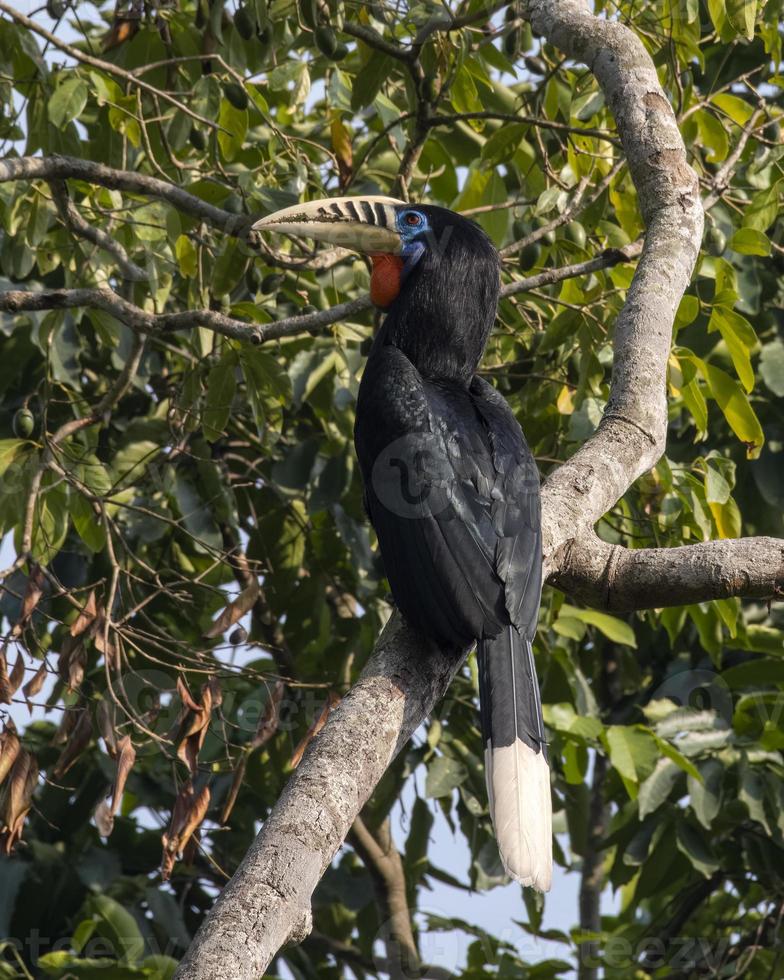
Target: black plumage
{"type": "Point", "coordinates": [450, 484]}
{"type": "Point", "coordinates": [453, 491]}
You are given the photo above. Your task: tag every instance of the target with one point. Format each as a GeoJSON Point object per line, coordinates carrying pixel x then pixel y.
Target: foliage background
{"type": "Point", "coordinates": [216, 461]}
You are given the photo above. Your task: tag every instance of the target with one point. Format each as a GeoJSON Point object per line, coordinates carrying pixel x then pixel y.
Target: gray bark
{"type": "Point", "coordinates": [623, 579]}
{"type": "Point", "coordinates": [267, 902]}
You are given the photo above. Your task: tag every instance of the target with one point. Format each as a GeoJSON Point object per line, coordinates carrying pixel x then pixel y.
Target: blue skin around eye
{"type": "Point", "coordinates": [413, 246]}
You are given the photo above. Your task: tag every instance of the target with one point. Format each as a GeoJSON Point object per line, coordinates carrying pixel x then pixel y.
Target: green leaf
{"type": "Point", "coordinates": [632, 750]}
{"type": "Point", "coordinates": [234, 127]}
{"type": "Point", "coordinates": [503, 142]}
{"type": "Point", "coordinates": [751, 793]}
{"type": "Point", "coordinates": [10, 450]}
{"type": "Point", "coordinates": [740, 338]}
{"type": "Point", "coordinates": [221, 386]}
{"type": "Point", "coordinates": [735, 107]}
{"type": "Point", "coordinates": [692, 843]}
{"type": "Point", "coordinates": [443, 775]}
{"type": "Point", "coordinates": [750, 241]}
{"type": "Point", "coordinates": [713, 136]}
{"type": "Point", "coordinates": [680, 760]}
{"type": "Point", "coordinates": [736, 407]}
{"type": "Point", "coordinates": [771, 366]}
{"type": "Point", "coordinates": [656, 788]}
{"type": "Point", "coordinates": [463, 93]}
{"type": "Point", "coordinates": [88, 524]}
{"type": "Point", "coordinates": [614, 629]}
{"type": "Point", "coordinates": [67, 101]}
{"type": "Point", "coordinates": [118, 926]}
{"type": "Point", "coordinates": [763, 209]}
{"type": "Point", "coordinates": [742, 15]}
{"type": "Point", "coordinates": [761, 672]}
{"type": "Point", "coordinates": [187, 257]}
{"type": "Point", "coordinates": [705, 793]}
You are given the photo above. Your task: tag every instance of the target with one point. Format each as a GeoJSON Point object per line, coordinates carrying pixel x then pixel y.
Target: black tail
{"type": "Point", "coordinates": [518, 774]}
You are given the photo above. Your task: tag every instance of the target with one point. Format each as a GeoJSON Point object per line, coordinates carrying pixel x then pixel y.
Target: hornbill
{"type": "Point", "coordinates": [451, 487]}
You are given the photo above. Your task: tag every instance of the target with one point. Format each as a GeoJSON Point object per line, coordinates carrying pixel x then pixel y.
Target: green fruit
{"type": "Point", "coordinates": [237, 636]}
{"type": "Point", "coordinates": [197, 139]}
{"type": "Point", "coordinates": [529, 256]}
{"type": "Point", "coordinates": [245, 23]}
{"type": "Point", "coordinates": [253, 278]}
{"type": "Point", "coordinates": [340, 52]}
{"type": "Point", "coordinates": [534, 64]}
{"type": "Point", "coordinates": [715, 241]}
{"type": "Point", "coordinates": [512, 43]}
{"type": "Point", "coordinates": [308, 308]}
{"type": "Point", "coordinates": [326, 40]}
{"type": "Point", "coordinates": [520, 229]}
{"type": "Point", "coordinates": [271, 283]}
{"type": "Point", "coordinates": [576, 233]}
{"type": "Point", "coordinates": [236, 94]}
{"type": "Point", "coordinates": [24, 423]}
{"type": "Point", "coordinates": [56, 8]}
{"type": "Point", "coordinates": [264, 34]}
{"type": "Point", "coordinates": [233, 204]}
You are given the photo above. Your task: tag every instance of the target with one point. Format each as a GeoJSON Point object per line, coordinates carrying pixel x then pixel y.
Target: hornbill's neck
{"type": "Point", "coordinates": [447, 306]}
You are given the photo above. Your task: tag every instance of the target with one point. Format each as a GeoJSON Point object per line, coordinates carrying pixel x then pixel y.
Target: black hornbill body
{"type": "Point", "coordinates": [450, 485]}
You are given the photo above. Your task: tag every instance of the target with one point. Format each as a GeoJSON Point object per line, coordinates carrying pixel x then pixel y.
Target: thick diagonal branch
{"type": "Point", "coordinates": [267, 902]}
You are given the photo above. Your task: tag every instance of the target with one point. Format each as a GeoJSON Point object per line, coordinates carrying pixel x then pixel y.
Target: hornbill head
{"type": "Point", "coordinates": [434, 271]}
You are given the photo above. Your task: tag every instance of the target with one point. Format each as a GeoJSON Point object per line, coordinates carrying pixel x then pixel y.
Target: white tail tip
{"type": "Point", "coordinates": [518, 784]}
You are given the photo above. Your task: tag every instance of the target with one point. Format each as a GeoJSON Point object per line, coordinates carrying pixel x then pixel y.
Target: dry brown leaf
{"type": "Point", "coordinates": [71, 662]}
{"type": "Point", "coordinates": [126, 756]}
{"type": "Point", "coordinates": [9, 749]}
{"type": "Point", "coordinates": [32, 596]}
{"type": "Point", "coordinates": [103, 640]}
{"type": "Point", "coordinates": [195, 721]}
{"type": "Point", "coordinates": [104, 818]}
{"type": "Point", "coordinates": [36, 682]}
{"type": "Point", "coordinates": [87, 616]}
{"type": "Point", "coordinates": [105, 717]}
{"type": "Point", "coordinates": [122, 30]}
{"type": "Point", "coordinates": [234, 611]}
{"type": "Point", "coordinates": [189, 811]}
{"type": "Point", "coordinates": [236, 783]}
{"type": "Point", "coordinates": [9, 684]}
{"type": "Point", "coordinates": [333, 700]}
{"type": "Point", "coordinates": [79, 740]}
{"type": "Point", "coordinates": [16, 797]}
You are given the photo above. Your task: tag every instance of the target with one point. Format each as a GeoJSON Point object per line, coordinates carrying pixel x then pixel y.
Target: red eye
{"type": "Point", "coordinates": [413, 219]}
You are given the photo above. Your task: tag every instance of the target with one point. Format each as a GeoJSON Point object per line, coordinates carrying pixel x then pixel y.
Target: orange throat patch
{"type": "Point", "coordinates": [385, 281]}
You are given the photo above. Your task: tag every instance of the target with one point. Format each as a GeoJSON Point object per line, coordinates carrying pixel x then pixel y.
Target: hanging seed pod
{"type": "Point", "coordinates": [245, 22]}
{"type": "Point", "coordinates": [236, 94]}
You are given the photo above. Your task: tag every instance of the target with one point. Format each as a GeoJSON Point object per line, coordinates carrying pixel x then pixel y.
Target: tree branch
{"type": "Point", "coordinates": [608, 576]}
{"type": "Point", "coordinates": [381, 858]}
{"type": "Point", "coordinates": [83, 229]}
{"type": "Point", "coordinates": [103, 298]}
{"type": "Point", "coordinates": [631, 435]}
{"type": "Point", "coordinates": [62, 167]}
{"type": "Point", "coordinates": [267, 902]}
